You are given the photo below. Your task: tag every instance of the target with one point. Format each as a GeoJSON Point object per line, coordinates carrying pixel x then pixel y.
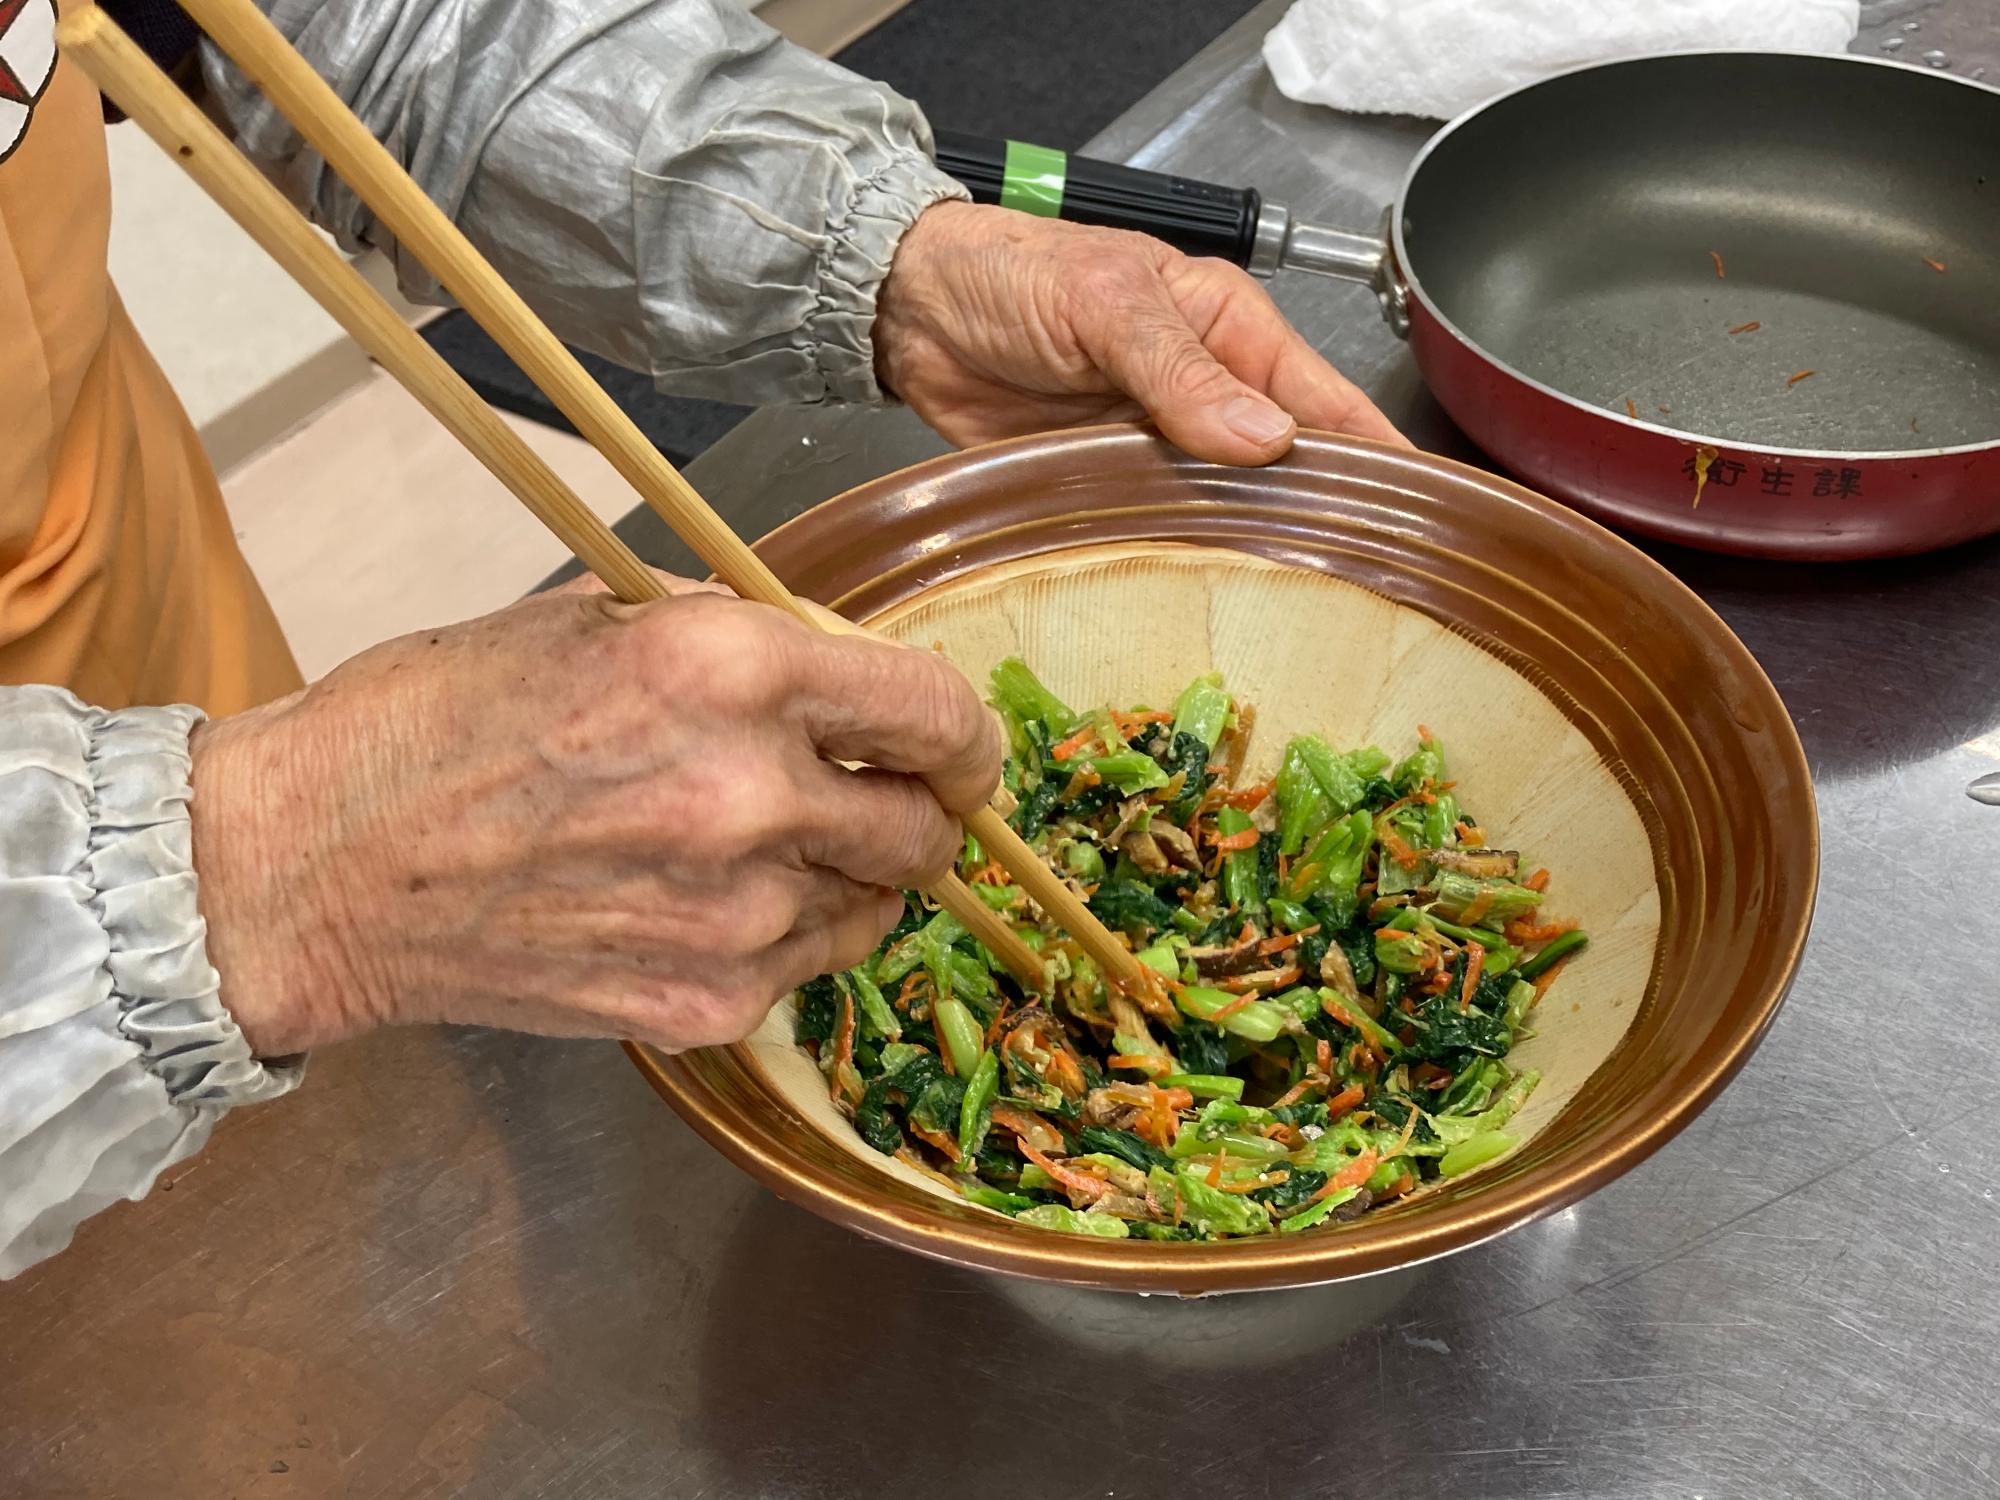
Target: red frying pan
{"type": "Point", "coordinates": [1748, 302]}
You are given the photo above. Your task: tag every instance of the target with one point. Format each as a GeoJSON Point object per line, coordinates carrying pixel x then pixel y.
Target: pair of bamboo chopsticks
{"type": "Point", "coordinates": [131, 81]}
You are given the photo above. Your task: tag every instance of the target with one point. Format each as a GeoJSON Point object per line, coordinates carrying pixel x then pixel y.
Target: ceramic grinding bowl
{"type": "Point", "coordinates": [1595, 713]}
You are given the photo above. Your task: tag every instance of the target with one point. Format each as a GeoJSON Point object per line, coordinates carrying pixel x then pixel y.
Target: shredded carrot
{"type": "Point", "coordinates": [1389, 838]}
{"type": "Point", "coordinates": [1547, 932]}
{"type": "Point", "coordinates": [1289, 975]}
{"type": "Point", "coordinates": [1409, 1129]}
{"type": "Point", "coordinates": [843, 1049]}
{"type": "Point", "coordinates": [916, 980]}
{"type": "Point", "coordinates": [1477, 907]}
{"type": "Point", "coordinates": [1293, 1095]}
{"type": "Point", "coordinates": [1472, 838]}
{"type": "Point", "coordinates": [1215, 1173]}
{"type": "Point", "coordinates": [1631, 408]}
{"type": "Point", "coordinates": [1068, 748]}
{"type": "Point", "coordinates": [1307, 875]}
{"type": "Point", "coordinates": [937, 1139]}
{"type": "Point", "coordinates": [1248, 798]}
{"type": "Point", "coordinates": [1548, 977]}
{"type": "Point", "coordinates": [1022, 1123]}
{"type": "Point", "coordinates": [1080, 1183]}
{"type": "Point", "coordinates": [1802, 375]}
{"type": "Point", "coordinates": [1151, 1065]}
{"type": "Point", "coordinates": [1473, 966]}
{"type": "Point", "coordinates": [1229, 843]}
{"type": "Point", "coordinates": [1398, 1188]}
{"type": "Point", "coordinates": [1286, 940]}
{"type": "Point", "coordinates": [1222, 1012]}
{"type": "Point", "coordinates": [1539, 881]}
{"type": "Point", "coordinates": [1750, 327]}
{"type": "Point", "coordinates": [1345, 1100]}
{"type": "Point", "coordinates": [1072, 1080]}
{"type": "Point", "coordinates": [1935, 265]}
{"type": "Point", "coordinates": [1353, 1174]}
{"type": "Point", "coordinates": [1397, 845]}
{"type": "Point", "coordinates": [1424, 734]}
{"type": "Point", "coordinates": [1261, 1180]}
{"type": "Point", "coordinates": [1175, 1098]}
{"type": "Point", "coordinates": [1128, 723]}
{"type": "Point", "coordinates": [1716, 256]}
{"type": "Point", "coordinates": [1085, 778]}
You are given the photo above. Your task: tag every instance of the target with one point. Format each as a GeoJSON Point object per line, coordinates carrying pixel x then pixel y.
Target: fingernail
{"type": "Point", "coordinates": [1255, 421]}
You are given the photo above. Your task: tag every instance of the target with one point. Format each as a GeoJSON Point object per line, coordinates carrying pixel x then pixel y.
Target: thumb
{"type": "Point", "coordinates": [1157, 359]}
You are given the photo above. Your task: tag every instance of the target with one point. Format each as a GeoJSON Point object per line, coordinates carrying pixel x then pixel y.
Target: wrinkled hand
{"type": "Point", "coordinates": [578, 817]}
{"type": "Point", "coordinates": [993, 323]}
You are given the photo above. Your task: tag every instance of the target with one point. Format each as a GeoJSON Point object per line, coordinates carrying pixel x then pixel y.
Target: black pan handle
{"type": "Point", "coordinates": [1198, 218]}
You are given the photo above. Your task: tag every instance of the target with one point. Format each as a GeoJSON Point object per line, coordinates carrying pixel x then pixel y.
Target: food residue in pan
{"type": "Point", "coordinates": [1802, 375]}
{"type": "Point", "coordinates": [1631, 408]}
{"type": "Point", "coordinates": [1751, 327]}
{"type": "Point", "coordinates": [1704, 456]}
{"type": "Point", "coordinates": [1716, 256]}
{"type": "Point", "coordinates": [1935, 265]}
{"type": "Point", "coordinates": [1666, 411]}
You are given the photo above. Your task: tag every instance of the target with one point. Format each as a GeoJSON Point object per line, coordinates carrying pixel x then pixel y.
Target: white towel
{"type": "Point", "coordinates": [1437, 58]}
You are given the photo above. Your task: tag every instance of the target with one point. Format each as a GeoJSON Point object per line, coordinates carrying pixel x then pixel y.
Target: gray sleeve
{"type": "Point", "coordinates": [667, 182]}
{"type": "Point", "coordinates": [116, 1056]}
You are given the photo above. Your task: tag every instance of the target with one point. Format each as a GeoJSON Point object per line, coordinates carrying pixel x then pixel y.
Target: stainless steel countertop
{"type": "Point", "coordinates": [461, 1262]}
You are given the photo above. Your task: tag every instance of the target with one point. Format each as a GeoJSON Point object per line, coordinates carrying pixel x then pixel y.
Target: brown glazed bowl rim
{"type": "Point", "coordinates": [1394, 487]}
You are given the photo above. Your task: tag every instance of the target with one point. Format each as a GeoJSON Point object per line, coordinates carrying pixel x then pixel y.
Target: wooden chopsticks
{"type": "Point", "coordinates": [138, 87]}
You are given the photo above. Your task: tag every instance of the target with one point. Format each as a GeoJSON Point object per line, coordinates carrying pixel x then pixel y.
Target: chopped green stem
{"type": "Point", "coordinates": [1559, 947]}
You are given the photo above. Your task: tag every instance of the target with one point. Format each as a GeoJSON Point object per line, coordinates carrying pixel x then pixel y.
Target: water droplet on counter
{"type": "Point", "coordinates": [1937, 59]}
{"type": "Point", "coordinates": [1892, 44]}
{"type": "Point", "coordinates": [1944, 1169]}
{"type": "Point", "coordinates": [1913, 26]}
{"type": "Point", "coordinates": [1986, 789]}
{"type": "Point", "coordinates": [1978, 72]}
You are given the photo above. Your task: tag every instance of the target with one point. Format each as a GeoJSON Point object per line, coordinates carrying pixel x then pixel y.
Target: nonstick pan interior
{"type": "Point", "coordinates": [1572, 232]}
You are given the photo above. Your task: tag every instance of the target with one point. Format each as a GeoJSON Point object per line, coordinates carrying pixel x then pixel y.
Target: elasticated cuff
{"type": "Point", "coordinates": [141, 870]}
{"type": "Point", "coordinates": [861, 243]}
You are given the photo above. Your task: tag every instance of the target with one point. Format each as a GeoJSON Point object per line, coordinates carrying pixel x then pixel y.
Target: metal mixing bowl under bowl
{"type": "Point", "coordinates": [1632, 660]}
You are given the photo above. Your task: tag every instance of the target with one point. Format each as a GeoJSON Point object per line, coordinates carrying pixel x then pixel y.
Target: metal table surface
{"type": "Point", "coordinates": [462, 1262]}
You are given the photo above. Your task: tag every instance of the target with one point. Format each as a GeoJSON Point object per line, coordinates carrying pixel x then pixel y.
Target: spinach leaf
{"type": "Point", "coordinates": [1130, 906]}
{"type": "Point", "coordinates": [1201, 1048]}
{"type": "Point", "coordinates": [819, 1011]}
{"type": "Point", "coordinates": [1294, 1192]}
{"type": "Point", "coordinates": [1124, 1145]}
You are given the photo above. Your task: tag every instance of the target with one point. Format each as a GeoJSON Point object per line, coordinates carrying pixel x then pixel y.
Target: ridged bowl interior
{"type": "Point", "coordinates": [1594, 711]}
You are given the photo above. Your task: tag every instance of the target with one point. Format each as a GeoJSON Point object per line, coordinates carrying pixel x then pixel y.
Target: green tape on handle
{"type": "Point", "coordinates": [1033, 179]}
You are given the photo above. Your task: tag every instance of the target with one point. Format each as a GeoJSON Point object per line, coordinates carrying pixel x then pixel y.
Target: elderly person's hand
{"type": "Point", "coordinates": [993, 322]}
{"type": "Point", "coordinates": [578, 817]}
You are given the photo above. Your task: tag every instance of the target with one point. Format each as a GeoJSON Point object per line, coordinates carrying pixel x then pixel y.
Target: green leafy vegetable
{"type": "Point", "coordinates": [1312, 1024]}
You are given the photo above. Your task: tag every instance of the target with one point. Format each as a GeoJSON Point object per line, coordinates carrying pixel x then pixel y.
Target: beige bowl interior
{"type": "Point", "coordinates": [1131, 624]}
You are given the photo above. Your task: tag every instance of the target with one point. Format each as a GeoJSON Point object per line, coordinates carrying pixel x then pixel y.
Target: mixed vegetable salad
{"type": "Point", "coordinates": [1343, 959]}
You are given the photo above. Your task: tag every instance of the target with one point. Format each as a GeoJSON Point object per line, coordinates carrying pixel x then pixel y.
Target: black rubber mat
{"type": "Point", "coordinates": [1053, 71]}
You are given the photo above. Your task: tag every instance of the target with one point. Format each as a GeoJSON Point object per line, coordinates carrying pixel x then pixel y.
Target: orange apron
{"type": "Point", "coordinates": [120, 578]}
